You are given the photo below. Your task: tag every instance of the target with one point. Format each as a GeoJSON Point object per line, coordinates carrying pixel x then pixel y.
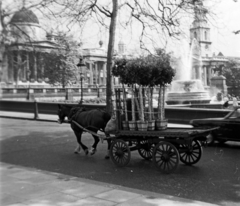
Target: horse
{"type": "Point", "coordinates": [93, 120]}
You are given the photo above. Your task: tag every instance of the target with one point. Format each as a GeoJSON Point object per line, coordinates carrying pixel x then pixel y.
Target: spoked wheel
{"type": "Point", "coordinates": [190, 155]}
{"type": "Point", "coordinates": [166, 157]}
{"type": "Point", "coordinates": [120, 153]}
{"type": "Point", "coordinates": [146, 149]}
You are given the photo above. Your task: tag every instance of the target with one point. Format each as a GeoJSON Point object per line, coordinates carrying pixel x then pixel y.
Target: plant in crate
{"type": "Point", "coordinates": [165, 74]}
{"type": "Point", "coordinates": [129, 72]}
{"type": "Point", "coordinates": [120, 70]}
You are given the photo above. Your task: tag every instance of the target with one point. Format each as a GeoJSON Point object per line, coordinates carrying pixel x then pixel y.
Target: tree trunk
{"type": "Point", "coordinates": [159, 102]}
{"type": "Point", "coordinates": [150, 106]}
{"type": "Point", "coordinates": [112, 31]}
{"type": "Point", "coordinates": [141, 103]}
{"type": "Point", "coordinates": [163, 104]}
{"type": "Point", "coordinates": [133, 105]}
{"type": "Point", "coordinates": [125, 103]}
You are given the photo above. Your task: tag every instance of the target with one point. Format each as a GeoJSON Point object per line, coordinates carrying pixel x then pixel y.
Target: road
{"type": "Point", "coordinates": [49, 146]}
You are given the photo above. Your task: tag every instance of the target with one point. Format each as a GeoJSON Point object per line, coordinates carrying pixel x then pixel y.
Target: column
{"type": "Point", "coordinates": [42, 68]}
{"type": "Point", "coordinates": [199, 72]}
{"type": "Point", "coordinates": [205, 75]}
{"type": "Point", "coordinates": [19, 67]}
{"type": "Point", "coordinates": [96, 72]}
{"type": "Point", "coordinates": [91, 73]}
{"type": "Point", "coordinates": [27, 65]}
{"type": "Point", "coordinates": [35, 66]}
{"type": "Point", "coordinates": [10, 70]}
{"type": "Point", "coordinates": [104, 73]}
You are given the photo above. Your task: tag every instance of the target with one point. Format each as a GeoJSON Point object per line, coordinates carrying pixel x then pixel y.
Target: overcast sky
{"type": "Point", "coordinates": [225, 20]}
{"type": "Point", "coordinates": [223, 38]}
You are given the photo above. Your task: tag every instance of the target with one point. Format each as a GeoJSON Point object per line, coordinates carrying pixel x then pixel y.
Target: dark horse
{"type": "Point", "coordinates": [93, 120]}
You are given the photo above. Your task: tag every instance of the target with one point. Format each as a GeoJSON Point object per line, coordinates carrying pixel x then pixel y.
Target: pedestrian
{"type": "Point", "coordinates": [226, 104]}
{"type": "Point", "coordinates": [235, 102]}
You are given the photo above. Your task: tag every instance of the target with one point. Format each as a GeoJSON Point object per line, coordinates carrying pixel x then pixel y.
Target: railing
{"type": "Point", "coordinates": [181, 115]}
{"type": "Point", "coordinates": [22, 93]}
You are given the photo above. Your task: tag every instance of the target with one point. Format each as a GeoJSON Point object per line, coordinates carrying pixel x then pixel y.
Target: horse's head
{"type": "Point", "coordinates": [63, 112]}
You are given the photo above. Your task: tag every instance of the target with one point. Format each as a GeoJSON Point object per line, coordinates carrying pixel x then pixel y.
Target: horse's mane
{"type": "Point", "coordinates": [75, 110]}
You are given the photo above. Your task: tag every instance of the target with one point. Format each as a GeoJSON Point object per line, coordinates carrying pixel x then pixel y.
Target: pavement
{"type": "Point", "coordinates": [21, 186]}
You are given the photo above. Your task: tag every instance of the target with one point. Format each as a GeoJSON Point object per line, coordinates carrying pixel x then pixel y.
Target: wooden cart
{"type": "Point", "coordinates": [166, 148]}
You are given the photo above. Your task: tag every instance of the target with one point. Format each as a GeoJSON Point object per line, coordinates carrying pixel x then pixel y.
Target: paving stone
{"type": "Point", "coordinates": [92, 201]}
{"type": "Point", "coordinates": [8, 199]}
{"type": "Point", "coordinates": [57, 198]}
{"type": "Point", "coordinates": [86, 190]}
{"type": "Point", "coordinates": [117, 195]}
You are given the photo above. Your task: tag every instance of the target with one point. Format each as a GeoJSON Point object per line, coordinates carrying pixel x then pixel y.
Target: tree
{"type": "Point", "coordinates": [60, 65]}
{"type": "Point", "coordinates": [161, 16]}
{"type": "Point", "coordinates": [149, 71]}
{"type": "Point", "coordinates": [232, 73]}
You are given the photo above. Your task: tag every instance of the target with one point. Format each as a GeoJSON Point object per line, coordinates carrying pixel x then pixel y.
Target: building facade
{"type": "Point", "coordinates": [24, 62]}
{"type": "Point", "coordinates": [204, 61]}
{"type": "Point", "coordinates": [25, 55]}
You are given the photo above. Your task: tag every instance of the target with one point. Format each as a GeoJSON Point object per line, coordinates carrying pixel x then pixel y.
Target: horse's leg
{"type": "Point", "coordinates": [109, 141]}
{"type": "Point", "coordinates": [94, 146]}
{"type": "Point", "coordinates": [78, 134]}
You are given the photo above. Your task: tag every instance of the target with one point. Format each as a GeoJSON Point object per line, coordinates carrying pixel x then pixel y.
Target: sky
{"type": "Point", "coordinates": [223, 22]}
{"type": "Point", "coordinates": [228, 20]}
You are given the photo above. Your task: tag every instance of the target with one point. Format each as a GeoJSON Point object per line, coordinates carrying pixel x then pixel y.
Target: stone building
{"type": "Point", "coordinates": [25, 63]}
{"type": "Point", "coordinates": [204, 61]}
{"type": "Point", "coordinates": [24, 55]}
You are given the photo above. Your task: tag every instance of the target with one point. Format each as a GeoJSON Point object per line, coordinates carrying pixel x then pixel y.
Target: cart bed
{"type": "Point", "coordinates": [169, 132]}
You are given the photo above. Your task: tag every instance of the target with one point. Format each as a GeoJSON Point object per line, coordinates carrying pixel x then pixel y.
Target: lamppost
{"type": "Point", "coordinates": [98, 93]}
{"type": "Point", "coordinates": [28, 76]}
{"type": "Point", "coordinates": [80, 65]}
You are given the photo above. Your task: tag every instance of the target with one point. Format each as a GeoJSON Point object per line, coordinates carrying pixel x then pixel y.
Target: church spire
{"type": "Point", "coordinates": [200, 29]}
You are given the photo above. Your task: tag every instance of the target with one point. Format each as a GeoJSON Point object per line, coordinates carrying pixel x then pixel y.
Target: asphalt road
{"type": "Point", "coordinates": [49, 146]}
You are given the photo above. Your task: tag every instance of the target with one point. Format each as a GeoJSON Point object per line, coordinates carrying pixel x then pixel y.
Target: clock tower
{"type": "Point", "coordinates": [200, 30]}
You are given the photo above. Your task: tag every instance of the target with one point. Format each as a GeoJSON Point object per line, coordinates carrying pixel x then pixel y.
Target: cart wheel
{"type": "Point", "coordinates": [191, 156]}
{"type": "Point", "coordinates": [120, 153]}
{"type": "Point", "coordinates": [146, 149]}
{"type": "Point", "coordinates": [166, 157]}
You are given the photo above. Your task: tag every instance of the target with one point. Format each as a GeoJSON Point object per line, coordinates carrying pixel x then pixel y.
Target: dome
{"type": "Point", "coordinates": [24, 16]}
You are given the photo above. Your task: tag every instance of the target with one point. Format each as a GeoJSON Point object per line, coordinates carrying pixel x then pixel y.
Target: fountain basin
{"type": "Point", "coordinates": [187, 92]}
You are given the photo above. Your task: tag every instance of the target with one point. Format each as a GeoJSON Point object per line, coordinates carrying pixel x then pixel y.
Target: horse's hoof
{"type": "Point", "coordinates": [93, 151]}
{"type": "Point", "coordinates": [86, 152]}
{"type": "Point", "coordinates": [107, 157]}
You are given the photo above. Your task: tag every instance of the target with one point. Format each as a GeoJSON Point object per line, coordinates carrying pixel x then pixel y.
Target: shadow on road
{"type": "Point", "coordinates": [47, 146]}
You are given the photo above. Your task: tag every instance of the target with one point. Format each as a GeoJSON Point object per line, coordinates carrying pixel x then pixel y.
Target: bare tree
{"type": "Point", "coordinates": [161, 16]}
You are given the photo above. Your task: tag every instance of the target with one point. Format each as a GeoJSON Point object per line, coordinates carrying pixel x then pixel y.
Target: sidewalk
{"type": "Point", "coordinates": [28, 116]}
{"type": "Point", "coordinates": [54, 118]}
{"type": "Point", "coordinates": [21, 186]}
{"type": "Point", "coordinates": [26, 186]}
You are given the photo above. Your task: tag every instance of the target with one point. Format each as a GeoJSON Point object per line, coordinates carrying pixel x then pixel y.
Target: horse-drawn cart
{"type": "Point", "coordinates": [165, 147]}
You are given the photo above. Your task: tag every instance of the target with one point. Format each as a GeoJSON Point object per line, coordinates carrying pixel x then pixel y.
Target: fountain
{"type": "Point", "coordinates": [186, 90]}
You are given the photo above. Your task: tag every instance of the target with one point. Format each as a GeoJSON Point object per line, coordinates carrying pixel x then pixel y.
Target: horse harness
{"type": "Point", "coordinates": [72, 119]}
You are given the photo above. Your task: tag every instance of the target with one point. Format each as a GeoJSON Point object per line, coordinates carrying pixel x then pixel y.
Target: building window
{"type": "Point", "coordinates": [195, 35]}
{"type": "Point", "coordinates": [205, 35]}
